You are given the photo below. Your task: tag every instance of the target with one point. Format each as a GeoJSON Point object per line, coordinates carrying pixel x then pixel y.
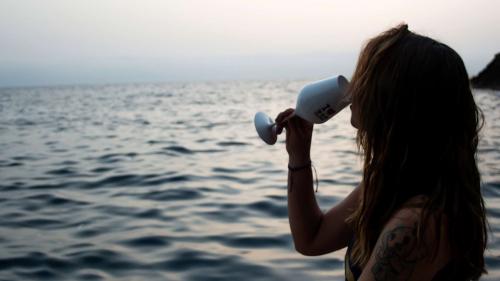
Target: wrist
{"type": "Point", "coordinates": [295, 161]}
{"type": "Point", "coordinates": [296, 168]}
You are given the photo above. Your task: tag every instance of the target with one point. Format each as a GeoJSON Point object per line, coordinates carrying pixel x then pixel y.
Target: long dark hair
{"type": "Point", "coordinates": [418, 129]}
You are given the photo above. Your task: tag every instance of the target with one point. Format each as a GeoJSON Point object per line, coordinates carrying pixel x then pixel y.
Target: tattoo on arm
{"type": "Point", "coordinates": [397, 254]}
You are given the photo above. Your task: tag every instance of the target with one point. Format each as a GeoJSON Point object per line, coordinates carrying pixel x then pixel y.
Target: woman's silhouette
{"type": "Point", "coordinates": [418, 213]}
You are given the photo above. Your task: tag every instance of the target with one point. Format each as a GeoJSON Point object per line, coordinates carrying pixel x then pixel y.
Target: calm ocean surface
{"type": "Point", "coordinates": [170, 182]}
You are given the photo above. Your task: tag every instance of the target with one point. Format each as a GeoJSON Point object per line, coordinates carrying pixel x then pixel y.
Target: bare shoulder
{"type": "Point", "coordinates": [408, 248]}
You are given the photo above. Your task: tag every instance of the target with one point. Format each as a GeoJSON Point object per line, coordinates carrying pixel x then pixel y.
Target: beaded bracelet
{"type": "Point", "coordinates": [302, 167]}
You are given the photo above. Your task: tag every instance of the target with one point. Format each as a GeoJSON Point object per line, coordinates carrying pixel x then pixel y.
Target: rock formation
{"type": "Point", "coordinates": [489, 78]}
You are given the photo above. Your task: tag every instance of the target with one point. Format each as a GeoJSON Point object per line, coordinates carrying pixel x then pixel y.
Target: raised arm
{"type": "Point", "coordinates": [314, 233]}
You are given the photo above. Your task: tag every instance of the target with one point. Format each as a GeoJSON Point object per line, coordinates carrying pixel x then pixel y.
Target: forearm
{"type": "Point", "coordinates": [304, 213]}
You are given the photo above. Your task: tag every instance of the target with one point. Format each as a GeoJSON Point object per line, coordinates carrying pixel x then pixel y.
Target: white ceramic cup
{"type": "Point", "coordinates": [317, 103]}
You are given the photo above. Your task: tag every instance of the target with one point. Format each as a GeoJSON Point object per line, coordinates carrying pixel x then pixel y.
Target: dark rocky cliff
{"type": "Point", "coordinates": [489, 78]}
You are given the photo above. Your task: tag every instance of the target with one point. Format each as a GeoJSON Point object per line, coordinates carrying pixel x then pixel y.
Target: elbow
{"type": "Point", "coordinates": [306, 251]}
{"type": "Point", "coordinates": [309, 247]}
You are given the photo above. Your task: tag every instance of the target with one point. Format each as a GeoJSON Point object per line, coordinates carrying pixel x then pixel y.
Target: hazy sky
{"type": "Point", "coordinates": [105, 41]}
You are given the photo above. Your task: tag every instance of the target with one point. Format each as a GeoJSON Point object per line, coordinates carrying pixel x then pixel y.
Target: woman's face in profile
{"type": "Point", "coordinates": [354, 114]}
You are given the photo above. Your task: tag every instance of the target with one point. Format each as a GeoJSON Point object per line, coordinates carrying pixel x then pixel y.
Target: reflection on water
{"type": "Point", "coordinates": [170, 182]}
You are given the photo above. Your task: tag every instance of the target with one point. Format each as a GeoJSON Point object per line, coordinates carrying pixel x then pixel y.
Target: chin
{"type": "Point", "coordinates": [353, 124]}
{"type": "Point", "coordinates": [353, 121]}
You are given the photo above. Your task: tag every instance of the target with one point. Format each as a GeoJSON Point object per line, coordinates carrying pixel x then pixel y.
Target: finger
{"type": "Point", "coordinates": [279, 129]}
{"type": "Point", "coordinates": [287, 118]}
{"type": "Point", "coordinates": [283, 115]}
{"type": "Point", "coordinates": [279, 119]}
{"type": "Point", "coordinates": [281, 126]}
{"type": "Point", "coordinates": [285, 123]}
{"type": "Point", "coordinates": [287, 133]}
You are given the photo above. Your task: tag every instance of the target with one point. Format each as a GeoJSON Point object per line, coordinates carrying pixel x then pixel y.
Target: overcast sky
{"type": "Point", "coordinates": [109, 41]}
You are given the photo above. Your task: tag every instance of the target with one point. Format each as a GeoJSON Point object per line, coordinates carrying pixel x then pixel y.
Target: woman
{"type": "Point", "coordinates": [418, 213]}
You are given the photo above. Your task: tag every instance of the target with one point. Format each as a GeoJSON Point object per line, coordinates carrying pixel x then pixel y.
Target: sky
{"type": "Point", "coordinates": [57, 42]}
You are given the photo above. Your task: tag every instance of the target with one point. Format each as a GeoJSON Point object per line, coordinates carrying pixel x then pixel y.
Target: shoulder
{"type": "Point", "coordinates": [409, 248]}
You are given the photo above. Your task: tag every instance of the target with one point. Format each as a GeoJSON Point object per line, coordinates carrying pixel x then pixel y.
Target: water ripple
{"type": "Point", "coordinates": [147, 242]}
{"type": "Point", "coordinates": [270, 208]}
{"type": "Point", "coordinates": [181, 150]}
{"type": "Point", "coordinates": [172, 194]}
{"type": "Point", "coordinates": [53, 200]}
{"type": "Point", "coordinates": [257, 241]}
{"type": "Point", "coordinates": [232, 143]}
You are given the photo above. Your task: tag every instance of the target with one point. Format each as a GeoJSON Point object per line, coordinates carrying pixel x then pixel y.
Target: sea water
{"type": "Point", "coordinates": [171, 182]}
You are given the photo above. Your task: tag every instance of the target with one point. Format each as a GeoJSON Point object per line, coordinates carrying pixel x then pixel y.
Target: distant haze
{"type": "Point", "coordinates": [112, 41]}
